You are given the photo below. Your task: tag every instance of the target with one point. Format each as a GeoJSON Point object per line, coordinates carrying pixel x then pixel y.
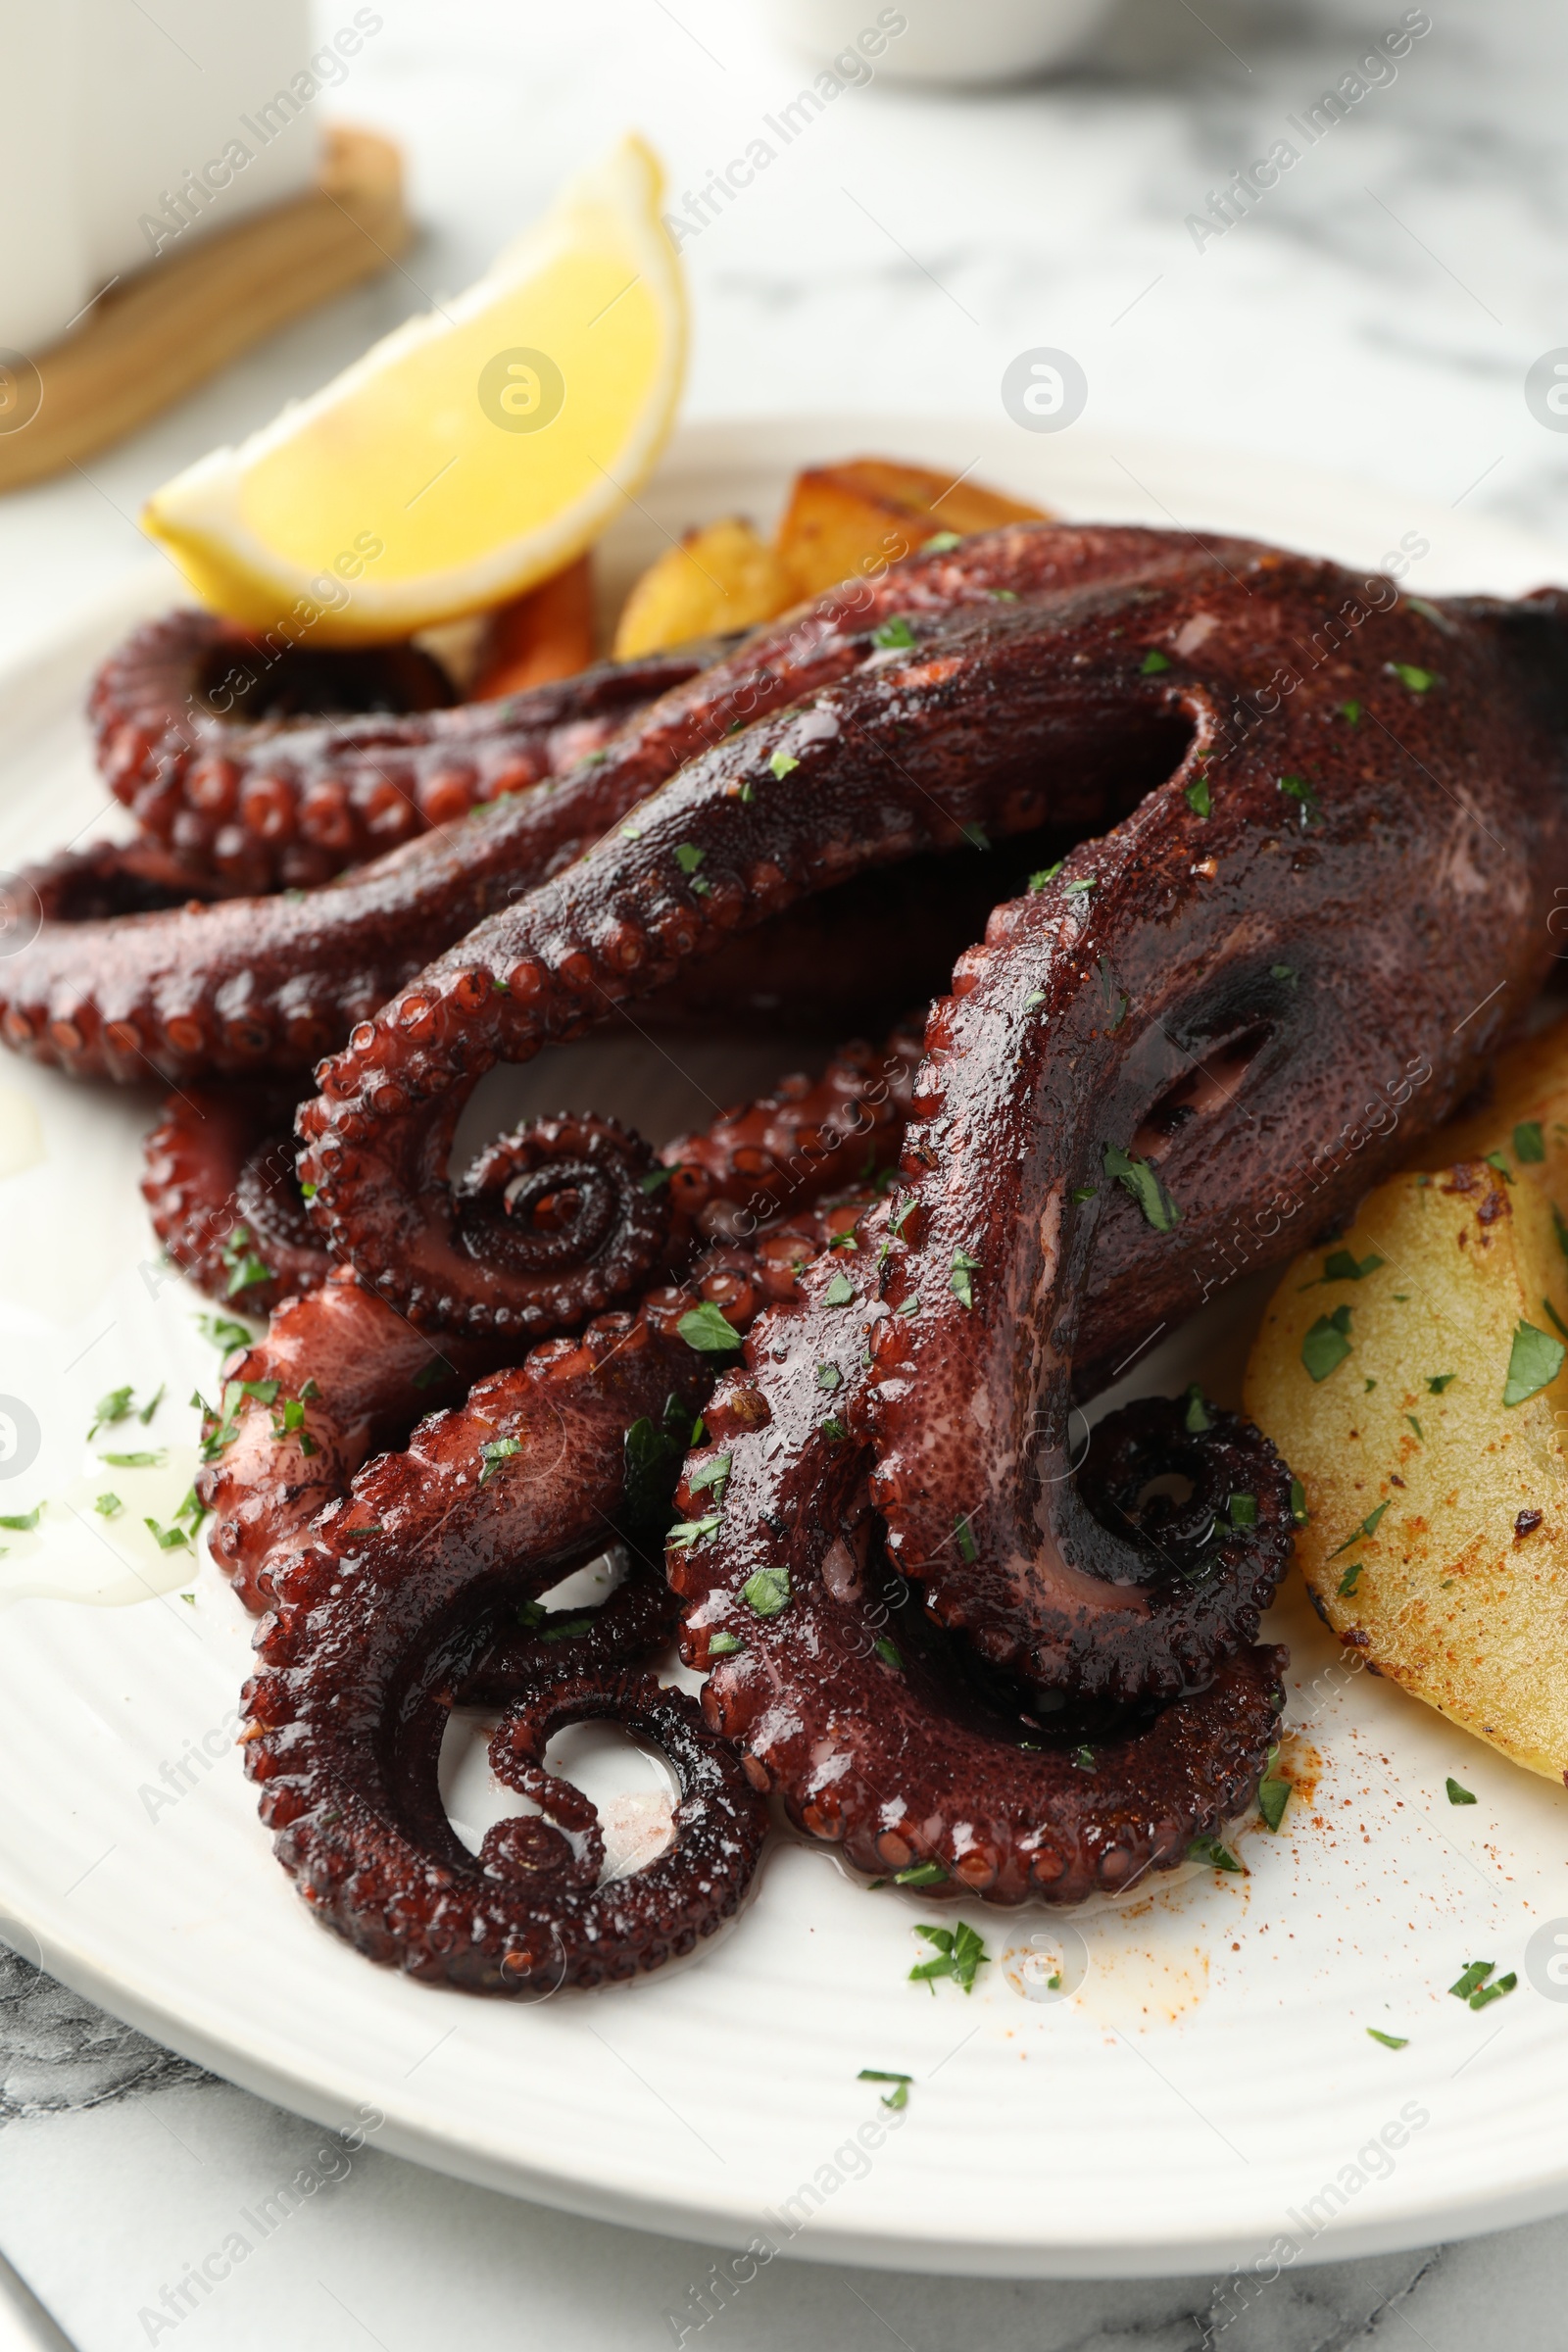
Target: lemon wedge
{"type": "Point", "coordinates": [471, 453]}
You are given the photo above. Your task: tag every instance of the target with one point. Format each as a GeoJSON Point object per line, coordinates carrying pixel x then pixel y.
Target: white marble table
{"type": "Point", "coordinates": [1378, 312]}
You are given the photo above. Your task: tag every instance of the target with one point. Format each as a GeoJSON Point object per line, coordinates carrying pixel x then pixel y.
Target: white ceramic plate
{"type": "Point", "coordinates": [1204, 2091]}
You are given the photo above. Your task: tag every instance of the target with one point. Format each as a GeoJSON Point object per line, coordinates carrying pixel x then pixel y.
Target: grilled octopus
{"type": "Point", "coordinates": [1317, 829]}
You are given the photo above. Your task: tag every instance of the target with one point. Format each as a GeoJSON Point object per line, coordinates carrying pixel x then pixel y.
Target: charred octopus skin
{"type": "Point", "coordinates": [115, 983]}
{"type": "Point", "coordinates": [416, 1589]}
{"type": "Point", "coordinates": [339, 1375]}
{"type": "Point", "coordinates": [1218, 1013]}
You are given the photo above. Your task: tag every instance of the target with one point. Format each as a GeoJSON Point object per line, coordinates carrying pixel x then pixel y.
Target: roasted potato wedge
{"type": "Point", "coordinates": [1413, 1374]}
{"type": "Point", "coordinates": [859, 519]}
{"type": "Point", "coordinates": [1525, 1080]}
{"type": "Point", "coordinates": [545, 634]}
{"type": "Point", "coordinates": [720, 577]}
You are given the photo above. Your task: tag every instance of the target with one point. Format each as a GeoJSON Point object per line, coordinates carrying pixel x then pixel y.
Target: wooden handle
{"type": "Point", "coordinates": [152, 338]}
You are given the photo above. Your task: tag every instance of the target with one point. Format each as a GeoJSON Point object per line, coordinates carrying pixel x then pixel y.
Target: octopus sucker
{"type": "Point", "coordinates": [840, 1334]}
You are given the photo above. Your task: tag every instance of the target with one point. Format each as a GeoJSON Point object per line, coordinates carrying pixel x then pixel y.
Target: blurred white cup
{"type": "Point", "coordinates": [955, 41]}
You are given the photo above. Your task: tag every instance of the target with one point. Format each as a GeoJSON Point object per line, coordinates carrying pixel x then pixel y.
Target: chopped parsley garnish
{"type": "Point", "coordinates": [1328, 1344]}
{"type": "Point", "coordinates": [843, 1240]}
{"type": "Point", "coordinates": [1082, 1759]}
{"type": "Point", "coordinates": [767, 1591]}
{"type": "Point", "coordinates": [959, 1954]}
{"type": "Point", "coordinates": [224, 1332]}
{"type": "Point", "coordinates": [571, 1630]}
{"type": "Point", "coordinates": [1471, 1984]}
{"type": "Point", "coordinates": [705, 1329]}
{"type": "Point", "coordinates": [889, 1653]}
{"type": "Point", "coordinates": [922, 1874]}
{"type": "Point", "coordinates": [1529, 1144]}
{"type": "Point", "coordinates": [895, 632]}
{"type": "Point", "coordinates": [961, 1280]}
{"type": "Point", "coordinates": [1440, 1381]}
{"type": "Point", "coordinates": [432, 1375]}
{"type": "Point", "coordinates": [1046, 873]}
{"type": "Point", "coordinates": [168, 1538]}
{"type": "Point", "coordinates": [126, 1462]}
{"type": "Point", "coordinates": [687, 1532]}
{"type": "Point", "coordinates": [1153, 663]}
{"type": "Point", "coordinates": [1085, 1192]}
{"type": "Point", "coordinates": [1036, 995]}
{"type": "Point", "coordinates": [1350, 1580]}
{"type": "Point", "coordinates": [714, 1474]}
{"type": "Point", "coordinates": [1416, 1426]}
{"type": "Point", "coordinates": [1534, 1363]}
{"type": "Point", "coordinates": [1389, 2041]}
{"type": "Point", "coordinates": [1298, 789]}
{"type": "Point", "coordinates": [783, 765]}
{"type": "Point", "coordinates": [1080, 886]}
{"type": "Point", "coordinates": [1195, 1420]}
{"type": "Point", "coordinates": [245, 1269]}
{"type": "Point", "coordinates": [1210, 1851]}
{"type": "Point", "coordinates": [22, 1523]}
{"type": "Point", "coordinates": [152, 1404]}
{"type": "Point", "coordinates": [899, 2097]}
{"type": "Point", "coordinates": [829, 1376]}
{"type": "Point", "coordinates": [1368, 1527]}
{"type": "Point", "coordinates": [1456, 1794]}
{"type": "Point", "coordinates": [1199, 797]}
{"type": "Point", "coordinates": [1341, 1267]}
{"type": "Point", "coordinates": [966, 1542]}
{"type": "Point", "coordinates": [1273, 1793]}
{"type": "Point", "coordinates": [1242, 1510]}
{"type": "Point", "coordinates": [655, 1180]}
{"type": "Point", "coordinates": [1410, 674]}
{"type": "Point", "coordinates": [1351, 711]}
{"type": "Point", "coordinates": [1136, 1177]}
{"type": "Point", "coordinates": [652, 1452]}
{"type": "Point", "coordinates": [1494, 1160]}
{"type": "Point", "coordinates": [110, 1409]}
{"type": "Point", "coordinates": [1299, 1510]}
{"type": "Point", "coordinates": [976, 836]}
{"type": "Point", "coordinates": [108, 1506]}
{"type": "Point", "coordinates": [839, 1290]}
{"type": "Point", "coordinates": [494, 1453]}
{"type": "Point", "coordinates": [724, 1645]}
{"type": "Point", "coordinates": [941, 543]}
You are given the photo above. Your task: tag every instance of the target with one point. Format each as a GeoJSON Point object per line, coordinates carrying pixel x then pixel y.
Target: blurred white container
{"type": "Point", "coordinates": [963, 42]}
{"type": "Point", "coordinates": [106, 114]}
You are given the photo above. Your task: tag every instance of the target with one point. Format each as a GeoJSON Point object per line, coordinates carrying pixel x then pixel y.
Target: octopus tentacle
{"type": "Point", "coordinates": [357, 1374]}
{"type": "Point", "coordinates": [257, 986]}
{"type": "Point", "coordinates": [333, 757]}
{"type": "Point", "coordinates": [404, 1594]}
{"type": "Point", "coordinates": [527, 1915]}
{"type": "Point", "coordinates": [732, 840]}
{"type": "Point", "coordinates": [903, 1743]}
{"type": "Point", "coordinates": [220, 1185]}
